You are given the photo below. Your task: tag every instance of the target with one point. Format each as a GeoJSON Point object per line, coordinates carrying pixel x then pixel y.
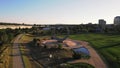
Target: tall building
{"type": "Point", "coordinates": [117, 20]}
{"type": "Point", "coordinates": [102, 23]}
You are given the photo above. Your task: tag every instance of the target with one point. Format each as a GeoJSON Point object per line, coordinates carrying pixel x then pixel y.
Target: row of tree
{"type": "Point", "coordinates": [6, 35]}
{"type": "Point", "coordinates": [75, 29]}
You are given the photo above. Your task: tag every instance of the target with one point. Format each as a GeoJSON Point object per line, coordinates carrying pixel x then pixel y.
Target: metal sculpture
{"type": "Point", "coordinates": [60, 29]}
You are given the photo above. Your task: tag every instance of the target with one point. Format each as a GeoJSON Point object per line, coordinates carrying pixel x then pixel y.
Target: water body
{"type": "Point", "coordinates": [14, 26]}
{"type": "Point", "coordinates": [81, 50]}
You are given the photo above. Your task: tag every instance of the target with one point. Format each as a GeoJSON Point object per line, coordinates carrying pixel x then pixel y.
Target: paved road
{"type": "Point", "coordinates": [17, 59]}
{"type": "Point", "coordinates": [94, 60]}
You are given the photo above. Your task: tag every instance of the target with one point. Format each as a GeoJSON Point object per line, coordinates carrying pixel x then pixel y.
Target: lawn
{"type": "Point", "coordinates": [26, 38]}
{"type": "Point", "coordinates": [77, 65]}
{"type": "Point", "coordinates": [108, 46]}
{"type": "Point", "coordinates": [25, 57]}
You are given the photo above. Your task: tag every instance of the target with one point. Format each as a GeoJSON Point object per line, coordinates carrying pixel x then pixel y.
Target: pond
{"type": "Point", "coordinates": [81, 50]}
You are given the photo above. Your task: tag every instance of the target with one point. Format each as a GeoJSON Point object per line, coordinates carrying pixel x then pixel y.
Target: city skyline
{"type": "Point", "coordinates": [58, 11]}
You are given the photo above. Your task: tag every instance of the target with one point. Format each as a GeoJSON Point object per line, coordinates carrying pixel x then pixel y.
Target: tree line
{"type": "Point", "coordinates": [7, 35]}
{"type": "Point", "coordinates": [75, 29]}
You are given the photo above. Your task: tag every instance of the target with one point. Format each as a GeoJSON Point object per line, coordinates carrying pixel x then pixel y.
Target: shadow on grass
{"type": "Point", "coordinates": [113, 45]}
{"type": "Point", "coordinates": [56, 62]}
{"type": "Point", "coordinates": [14, 55]}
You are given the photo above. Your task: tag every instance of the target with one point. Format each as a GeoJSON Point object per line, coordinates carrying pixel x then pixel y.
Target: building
{"type": "Point", "coordinates": [102, 24]}
{"type": "Point", "coordinates": [117, 20]}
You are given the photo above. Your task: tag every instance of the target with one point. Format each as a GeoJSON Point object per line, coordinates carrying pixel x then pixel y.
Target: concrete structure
{"type": "Point", "coordinates": [102, 24]}
{"type": "Point", "coordinates": [117, 20]}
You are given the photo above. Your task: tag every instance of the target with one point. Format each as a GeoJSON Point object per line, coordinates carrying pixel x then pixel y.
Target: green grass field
{"type": "Point", "coordinates": [108, 46]}
{"type": "Point", "coordinates": [78, 65]}
{"type": "Point", "coordinates": [25, 57]}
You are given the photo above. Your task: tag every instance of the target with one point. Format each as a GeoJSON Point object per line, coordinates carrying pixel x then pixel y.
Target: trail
{"type": "Point", "coordinates": [17, 59]}
{"type": "Point", "coordinates": [94, 60]}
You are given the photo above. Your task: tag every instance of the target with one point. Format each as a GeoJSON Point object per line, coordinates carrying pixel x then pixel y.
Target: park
{"type": "Point", "coordinates": [33, 48]}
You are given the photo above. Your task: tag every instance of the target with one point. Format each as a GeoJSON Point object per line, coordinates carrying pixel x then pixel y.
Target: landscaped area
{"type": "Point", "coordinates": [41, 54]}
{"type": "Point", "coordinates": [108, 46]}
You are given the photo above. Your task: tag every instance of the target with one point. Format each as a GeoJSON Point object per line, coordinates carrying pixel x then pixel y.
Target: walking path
{"type": "Point", "coordinates": [94, 60]}
{"type": "Point", "coordinates": [17, 59]}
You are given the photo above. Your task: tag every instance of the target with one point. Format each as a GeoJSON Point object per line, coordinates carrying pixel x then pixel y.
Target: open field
{"type": "Point", "coordinates": [108, 46]}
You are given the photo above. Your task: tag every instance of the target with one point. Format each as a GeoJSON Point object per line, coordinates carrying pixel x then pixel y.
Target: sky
{"type": "Point", "coordinates": [58, 11]}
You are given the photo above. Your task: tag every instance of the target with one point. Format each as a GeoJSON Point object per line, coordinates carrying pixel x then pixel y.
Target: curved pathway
{"type": "Point", "coordinates": [94, 60]}
{"type": "Point", "coordinates": [17, 59]}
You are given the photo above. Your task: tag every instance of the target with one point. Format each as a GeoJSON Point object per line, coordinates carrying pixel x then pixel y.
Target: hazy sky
{"type": "Point", "coordinates": [58, 11]}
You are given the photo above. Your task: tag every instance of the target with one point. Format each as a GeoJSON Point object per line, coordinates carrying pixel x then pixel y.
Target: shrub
{"type": "Point", "coordinates": [60, 46]}
{"type": "Point", "coordinates": [76, 56]}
